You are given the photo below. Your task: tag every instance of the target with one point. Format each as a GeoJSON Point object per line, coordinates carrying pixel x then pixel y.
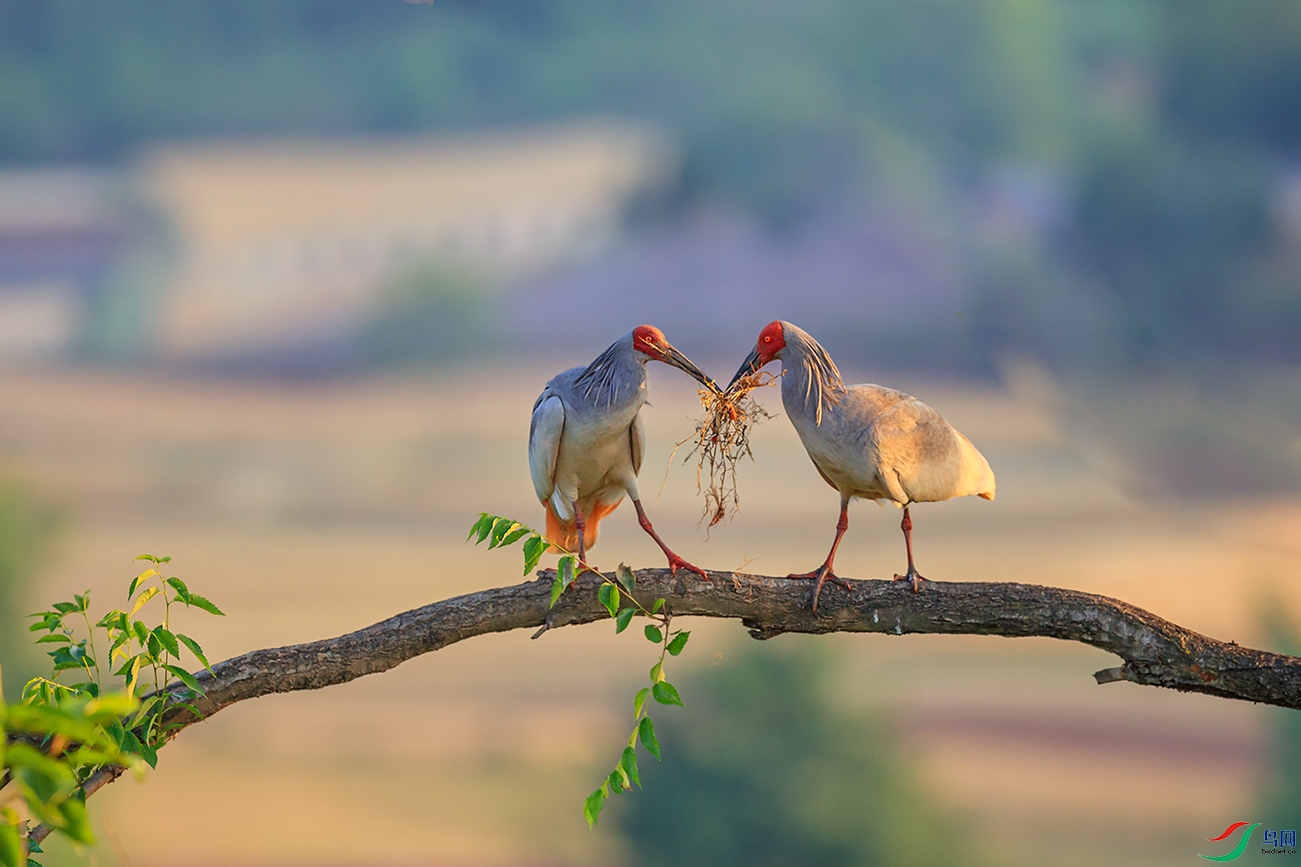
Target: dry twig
{"type": "Point", "coordinates": [721, 439]}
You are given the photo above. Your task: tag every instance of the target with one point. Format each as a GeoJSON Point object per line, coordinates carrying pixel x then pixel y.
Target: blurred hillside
{"type": "Point", "coordinates": [1105, 184]}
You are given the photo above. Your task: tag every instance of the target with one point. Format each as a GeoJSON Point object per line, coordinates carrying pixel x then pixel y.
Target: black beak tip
{"type": "Point", "coordinates": [749, 366]}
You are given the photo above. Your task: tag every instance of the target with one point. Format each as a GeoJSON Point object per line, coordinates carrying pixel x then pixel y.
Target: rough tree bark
{"type": "Point", "coordinates": [1155, 652]}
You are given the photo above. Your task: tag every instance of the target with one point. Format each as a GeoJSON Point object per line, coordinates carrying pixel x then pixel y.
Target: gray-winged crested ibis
{"type": "Point", "coordinates": [587, 438]}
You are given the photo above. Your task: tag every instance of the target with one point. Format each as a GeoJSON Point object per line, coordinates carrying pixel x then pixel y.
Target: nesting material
{"type": "Point", "coordinates": [721, 439]}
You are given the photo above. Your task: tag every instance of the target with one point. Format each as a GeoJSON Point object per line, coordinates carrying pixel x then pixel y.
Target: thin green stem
{"type": "Point", "coordinates": [94, 653]}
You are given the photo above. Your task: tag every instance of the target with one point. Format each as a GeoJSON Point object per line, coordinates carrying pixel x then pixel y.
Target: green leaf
{"type": "Point", "coordinates": [50, 621]}
{"type": "Point", "coordinates": [618, 781]}
{"type": "Point", "coordinates": [122, 639]}
{"type": "Point", "coordinates": [149, 754]}
{"type": "Point", "coordinates": [646, 734]}
{"type": "Point", "coordinates": [625, 617]}
{"type": "Point", "coordinates": [188, 679]}
{"type": "Point", "coordinates": [659, 603]}
{"type": "Point", "coordinates": [592, 807]}
{"type": "Point", "coordinates": [557, 587]}
{"type": "Point", "coordinates": [54, 637]}
{"type": "Point", "coordinates": [666, 693]}
{"type": "Point", "coordinates": [78, 823]}
{"type": "Point", "coordinates": [515, 535]}
{"type": "Point", "coordinates": [679, 641]}
{"type": "Point", "coordinates": [179, 586]}
{"type": "Point", "coordinates": [106, 709]}
{"type": "Point", "coordinates": [11, 845]}
{"type": "Point", "coordinates": [141, 632]}
{"type": "Point", "coordinates": [481, 527]}
{"type": "Point", "coordinates": [608, 595]}
{"type": "Point", "coordinates": [83, 602]}
{"type": "Point", "coordinates": [500, 529]}
{"type": "Point", "coordinates": [133, 673]}
{"type": "Point", "coordinates": [653, 633]}
{"type": "Point", "coordinates": [164, 559]}
{"type": "Point", "coordinates": [639, 701]}
{"type": "Point", "coordinates": [198, 601]}
{"type": "Point", "coordinates": [534, 548]}
{"type": "Point", "coordinates": [168, 640]}
{"type": "Point", "coordinates": [131, 743]}
{"type": "Point", "coordinates": [138, 580]}
{"type": "Point", "coordinates": [657, 672]}
{"type": "Point", "coordinates": [150, 557]}
{"type": "Point", "coordinates": [144, 597]}
{"type": "Point", "coordinates": [65, 607]}
{"type": "Point", "coordinates": [155, 647]}
{"type": "Point", "coordinates": [70, 657]}
{"type": "Point", "coordinates": [629, 764]}
{"type": "Point", "coordinates": [111, 619]}
{"type": "Point", "coordinates": [196, 650]}
{"type": "Point", "coordinates": [565, 566]}
{"type": "Point", "coordinates": [626, 578]}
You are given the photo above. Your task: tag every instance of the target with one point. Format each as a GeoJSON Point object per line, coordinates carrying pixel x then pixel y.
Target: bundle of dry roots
{"type": "Point", "coordinates": [721, 439]}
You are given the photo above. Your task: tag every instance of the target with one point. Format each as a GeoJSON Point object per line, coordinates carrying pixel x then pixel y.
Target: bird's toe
{"type": "Point", "coordinates": [822, 575]}
{"type": "Point", "coordinates": [913, 577]}
{"type": "Point", "coordinates": [676, 563]}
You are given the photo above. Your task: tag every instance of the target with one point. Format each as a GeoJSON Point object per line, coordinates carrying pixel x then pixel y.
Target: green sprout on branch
{"type": "Point", "coordinates": [616, 595]}
{"type": "Point", "coordinates": [79, 720]}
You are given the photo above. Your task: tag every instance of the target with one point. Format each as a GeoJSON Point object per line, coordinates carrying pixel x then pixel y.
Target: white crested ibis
{"type": "Point", "coordinates": [587, 438]}
{"type": "Point", "coordinates": [867, 441]}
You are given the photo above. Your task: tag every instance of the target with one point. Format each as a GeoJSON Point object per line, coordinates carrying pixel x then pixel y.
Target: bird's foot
{"type": "Point", "coordinates": [822, 575]}
{"type": "Point", "coordinates": [913, 576]}
{"type": "Point", "coordinates": [676, 563]}
{"type": "Point", "coordinates": [584, 567]}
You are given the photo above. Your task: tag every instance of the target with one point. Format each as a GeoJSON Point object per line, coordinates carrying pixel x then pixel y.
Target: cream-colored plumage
{"type": "Point", "coordinates": [868, 441]}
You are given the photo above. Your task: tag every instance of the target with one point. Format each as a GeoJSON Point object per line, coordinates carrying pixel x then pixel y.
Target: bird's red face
{"type": "Point", "coordinates": [651, 342]}
{"type": "Point", "coordinates": [772, 340]}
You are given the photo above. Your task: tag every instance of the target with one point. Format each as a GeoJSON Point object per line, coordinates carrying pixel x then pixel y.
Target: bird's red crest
{"type": "Point", "coordinates": [772, 339]}
{"type": "Point", "coordinates": [648, 339]}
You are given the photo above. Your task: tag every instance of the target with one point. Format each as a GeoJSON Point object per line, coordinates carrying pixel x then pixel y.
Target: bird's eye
{"type": "Point", "coordinates": [767, 339]}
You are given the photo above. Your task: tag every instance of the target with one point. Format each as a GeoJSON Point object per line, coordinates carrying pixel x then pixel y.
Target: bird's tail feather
{"type": "Point", "coordinates": [565, 533]}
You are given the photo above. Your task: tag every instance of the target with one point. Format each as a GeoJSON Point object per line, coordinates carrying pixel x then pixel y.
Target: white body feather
{"type": "Point", "coordinates": [874, 442]}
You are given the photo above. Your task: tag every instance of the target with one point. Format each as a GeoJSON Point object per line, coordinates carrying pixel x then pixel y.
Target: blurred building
{"type": "Point", "coordinates": [289, 244]}
{"type": "Point", "coordinates": [61, 231]}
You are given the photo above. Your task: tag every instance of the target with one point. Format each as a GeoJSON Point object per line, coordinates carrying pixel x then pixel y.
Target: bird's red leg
{"type": "Point", "coordinates": [581, 526]}
{"type": "Point", "coordinates": [675, 562]}
{"type": "Point", "coordinates": [824, 573]}
{"type": "Point", "coordinates": [912, 575]}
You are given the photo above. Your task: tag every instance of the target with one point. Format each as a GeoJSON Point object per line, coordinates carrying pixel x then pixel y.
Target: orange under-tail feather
{"type": "Point", "coordinates": [566, 533]}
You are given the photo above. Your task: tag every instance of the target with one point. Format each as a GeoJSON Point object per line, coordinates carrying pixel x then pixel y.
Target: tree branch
{"type": "Point", "coordinates": [1155, 652]}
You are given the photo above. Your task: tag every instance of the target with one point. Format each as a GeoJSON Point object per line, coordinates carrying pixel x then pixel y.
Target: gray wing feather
{"type": "Point", "coordinates": [545, 430]}
{"type": "Point", "coordinates": [637, 435]}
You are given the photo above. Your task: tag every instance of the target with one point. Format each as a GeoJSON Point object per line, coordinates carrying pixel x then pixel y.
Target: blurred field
{"type": "Point", "coordinates": [306, 509]}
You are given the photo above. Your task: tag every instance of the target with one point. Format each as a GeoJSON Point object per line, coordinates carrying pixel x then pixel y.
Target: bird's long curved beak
{"type": "Point", "coordinates": [686, 365]}
{"type": "Point", "coordinates": [751, 365]}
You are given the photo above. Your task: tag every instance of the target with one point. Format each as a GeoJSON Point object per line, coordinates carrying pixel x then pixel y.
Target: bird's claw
{"type": "Point", "coordinates": [822, 574]}
{"type": "Point", "coordinates": [676, 563]}
{"type": "Point", "coordinates": [913, 576]}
